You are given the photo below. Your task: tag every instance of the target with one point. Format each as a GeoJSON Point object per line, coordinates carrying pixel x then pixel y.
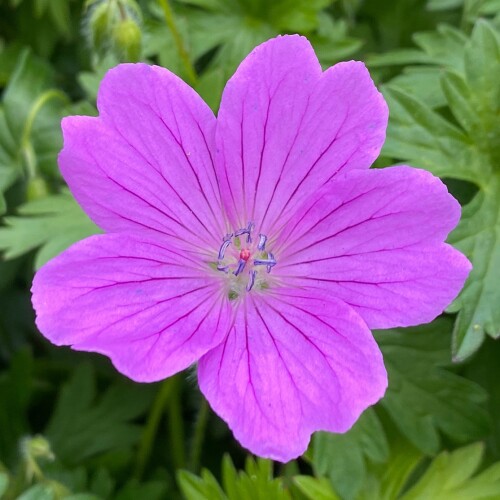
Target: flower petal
{"type": "Point", "coordinates": [374, 239]}
{"type": "Point", "coordinates": [293, 363]}
{"type": "Point", "coordinates": [146, 306]}
{"type": "Point", "coordinates": [285, 128]}
{"type": "Point", "coordinates": [145, 163]}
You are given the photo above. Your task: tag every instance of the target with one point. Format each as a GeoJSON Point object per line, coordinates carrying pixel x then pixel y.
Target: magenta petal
{"type": "Point", "coordinates": [293, 363]}
{"type": "Point", "coordinates": [285, 128]}
{"type": "Point", "coordinates": [145, 163]}
{"type": "Point", "coordinates": [147, 307]}
{"type": "Point", "coordinates": [374, 239]}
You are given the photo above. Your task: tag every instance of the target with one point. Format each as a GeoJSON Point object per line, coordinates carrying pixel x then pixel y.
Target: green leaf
{"type": "Point", "coordinates": [91, 80]}
{"type": "Point", "coordinates": [451, 475]}
{"type": "Point", "coordinates": [332, 42]}
{"type": "Point", "coordinates": [30, 116]}
{"type": "Point", "coordinates": [82, 496]}
{"type": "Point", "coordinates": [199, 488]}
{"type": "Point", "coordinates": [58, 12]}
{"type": "Point", "coordinates": [423, 398]}
{"type": "Point", "coordinates": [386, 481]}
{"type": "Point", "coordinates": [9, 56]}
{"type": "Point", "coordinates": [485, 370]}
{"type": "Point", "coordinates": [482, 73]}
{"type": "Point", "coordinates": [478, 236]}
{"type": "Point", "coordinates": [15, 393]}
{"type": "Point", "coordinates": [443, 47]}
{"type": "Point", "coordinates": [233, 29]}
{"type": "Point", "coordinates": [38, 492]}
{"type": "Point", "coordinates": [133, 490]}
{"type": "Point", "coordinates": [444, 4]}
{"type": "Point", "coordinates": [466, 149]}
{"type": "Point", "coordinates": [82, 426]}
{"type": "Point", "coordinates": [343, 457]}
{"type": "Point", "coordinates": [256, 482]}
{"type": "Point", "coordinates": [4, 483]}
{"type": "Point", "coordinates": [423, 83]}
{"type": "Point", "coordinates": [421, 136]}
{"type": "Point", "coordinates": [315, 488]}
{"type": "Point", "coordinates": [52, 223]}
{"type": "Point", "coordinates": [438, 50]}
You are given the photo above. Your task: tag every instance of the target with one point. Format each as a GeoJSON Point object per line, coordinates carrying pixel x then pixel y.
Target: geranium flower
{"type": "Point", "coordinates": [257, 244]}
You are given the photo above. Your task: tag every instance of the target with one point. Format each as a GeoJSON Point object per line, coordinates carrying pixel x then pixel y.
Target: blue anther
{"type": "Point", "coordinates": [252, 280]}
{"type": "Point", "coordinates": [241, 266]}
{"type": "Point", "coordinates": [246, 230]}
{"type": "Point", "coordinates": [262, 242]}
{"type": "Point", "coordinates": [223, 248]}
{"type": "Point", "coordinates": [272, 263]}
{"type": "Point", "coordinates": [221, 267]}
{"type": "Point", "coordinates": [269, 262]}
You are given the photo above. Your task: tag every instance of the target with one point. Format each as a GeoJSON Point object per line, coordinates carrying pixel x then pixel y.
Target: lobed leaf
{"type": "Point", "coordinates": [423, 398]}
{"type": "Point", "coordinates": [468, 150]}
{"type": "Point", "coordinates": [82, 426]}
{"type": "Point", "coordinates": [50, 224]}
{"type": "Point", "coordinates": [343, 457]}
{"type": "Point", "coordinates": [451, 475]}
{"type": "Point", "coordinates": [256, 482]}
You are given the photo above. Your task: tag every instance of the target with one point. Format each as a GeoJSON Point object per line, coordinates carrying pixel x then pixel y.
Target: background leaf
{"type": "Point", "coordinates": [342, 457]}
{"type": "Point", "coordinates": [81, 427]}
{"type": "Point", "coordinates": [423, 398]}
{"type": "Point", "coordinates": [52, 223]}
{"type": "Point", "coordinates": [468, 150]}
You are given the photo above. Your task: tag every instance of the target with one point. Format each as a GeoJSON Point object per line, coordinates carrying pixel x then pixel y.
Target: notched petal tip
{"type": "Point", "coordinates": [296, 363]}
{"type": "Point", "coordinates": [290, 43]}
{"type": "Point", "coordinates": [117, 78]}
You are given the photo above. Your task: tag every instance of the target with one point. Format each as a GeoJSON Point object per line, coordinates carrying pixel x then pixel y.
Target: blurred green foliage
{"type": "Point", "coordinates": [72, 428]}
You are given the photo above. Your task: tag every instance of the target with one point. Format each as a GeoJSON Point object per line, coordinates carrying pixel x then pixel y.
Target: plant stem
{"type": "Point", "coordinates": [199, 435]}
{"type": "Point", "coordinates": [42, 99]}
{"type": "Point", "coordinates": [166, 391]}
{"type": "Point", "coordinates": [176, 427]}
{"type": "Point", "coordinates": [181, 49]}
{"type": "Point", "coordinates": [26, 147]}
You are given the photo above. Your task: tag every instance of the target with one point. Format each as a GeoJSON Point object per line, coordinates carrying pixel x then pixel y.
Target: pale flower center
{"type": "Point", "coordinates": [245, 261]}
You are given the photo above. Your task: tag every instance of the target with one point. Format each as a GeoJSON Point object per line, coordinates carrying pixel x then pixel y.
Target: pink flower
{"type": "Point", "coordinates": [258, 244]}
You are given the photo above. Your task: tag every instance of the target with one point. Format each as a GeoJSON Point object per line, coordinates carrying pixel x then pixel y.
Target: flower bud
{"type": "Point", "coordinates": [127, 39]}
{"type": "Point", "coordinates": [113, 26]}
{"type": "Point", "coordinates": [38, 447]}
{"type": "Point", "coordinates": [37, 188]}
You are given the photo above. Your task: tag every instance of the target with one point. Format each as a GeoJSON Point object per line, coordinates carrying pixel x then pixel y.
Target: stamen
{"type": "Point", "coordinates": [235, 263]}
{"type": "Point", "coordinates": [262, 242]}
{"type": "Point", "coordinates": [272, 264]}
{"type": "Point", "coordinates": [246, 230]}
{"type": "Point", "coordinates": [269, 262]}
{"type": "Point", "coordinates": [222, 268]}
{"type": "Point", "coordinates": [241, 266]}
{"type": "Point", "coordinates": [252, 279]}
{"type": "Point", "coordinates": [223, 248]}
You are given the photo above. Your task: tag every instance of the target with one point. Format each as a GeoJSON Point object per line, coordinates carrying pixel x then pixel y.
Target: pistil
{"type": "Point", "coordinates": [232, 259]}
